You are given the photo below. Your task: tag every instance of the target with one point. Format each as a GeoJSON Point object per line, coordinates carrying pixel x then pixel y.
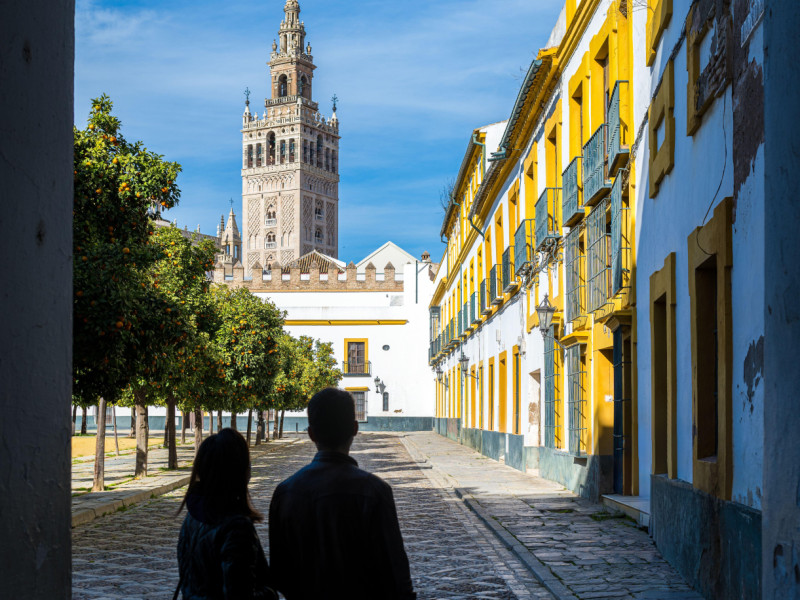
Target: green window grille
{"type": "Point", "coordinates": [551, 391]}
{"type": "Point", "coordinates": [435, 316]}
{"type": "Point", "coordinates": [494, 284]}
{"type": "Point", "coordinates": [597, 268]}
{"type": "Point", "coordinates": [572, 203]}
{"type": "Point", "coordinates": [617, 151]}
{"type": "Point", "coordinates": [620, 250]}
{"type": "Point", "coordinates": [574, 275]}
{"type": "Point", "coordinates": [460, 325]}
{"type": "Point", "coordinates": [473, 308]}
{"type": "Point", "coordinates": [547, 221]}
{"type": "Point", "coordinates": [595, 182]}
{"type": "Point", "coordinates": [508, 273]}
{"type": "Point", "coordinates": [577, 400]}
{"type": "Point", "coordinates": [465, 323]}
{"type": "Point", "coordinates": [524, 255]}
{"type": "Point", "coordinates": [484, 302]}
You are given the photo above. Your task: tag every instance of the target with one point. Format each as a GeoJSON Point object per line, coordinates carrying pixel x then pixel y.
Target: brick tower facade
{"type": "Point", "coordinates": [290, 170]}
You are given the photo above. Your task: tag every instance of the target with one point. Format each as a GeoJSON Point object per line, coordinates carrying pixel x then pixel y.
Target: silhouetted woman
{"type": "Point", "coordinates": [219, 554]}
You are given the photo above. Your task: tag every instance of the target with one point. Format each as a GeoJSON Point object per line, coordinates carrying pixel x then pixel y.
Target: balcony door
{"type": "Point", "coordinates": [356, 357]}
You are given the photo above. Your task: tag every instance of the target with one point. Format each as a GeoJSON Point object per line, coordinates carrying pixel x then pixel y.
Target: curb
{"type": "Point", "coordinates": [538, 569]}
{"type": "Point", "coordinates": [87, 515]}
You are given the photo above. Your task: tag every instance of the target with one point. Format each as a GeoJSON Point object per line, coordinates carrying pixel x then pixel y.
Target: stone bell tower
{"type": "Point", "coordinates": [290, 170]}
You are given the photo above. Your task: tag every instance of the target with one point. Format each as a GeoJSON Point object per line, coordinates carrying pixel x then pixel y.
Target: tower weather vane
{"type": "Point", "coordinates": [335, 101]}
{"type": "Point", "coordinates": [231, 201]}
{"type": "Point", "coordinates": [247, 94]}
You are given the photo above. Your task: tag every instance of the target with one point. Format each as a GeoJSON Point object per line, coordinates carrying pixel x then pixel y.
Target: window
{"type": "Point", "coordinates": [517, 429]}
{"type": "Point", "coordinates": [356, 364]}
{"type": "Point", "coordinates": [305, 151]}
{"type": "Point", "coordinates": [552, 392]}
{"type": "Point", "coordinates": [270, 244]}
{"type": "Point", "coordinates": [597, 267]}
{"type": "Point", "coordinates": [318, 237]}
{"type": "Point", "coordinates": [327, 159]}
{"type": "Point", "coordinates": [659, 13]}
{"type": "Point", "coordinates": [710, 262]}
{"type": "Point", "coordinates": [573, 261]}
{"type": "Point", "coordinates": [661, 117]}
{"type": "Point", "coordinates": [502, 392]}
{"type": "Point", "coordinates": [360, 397]}
{"type": "Point", "coordinates": [319, 151]}
{"type": "Point", "coordinates": [250, 156]}
{"type": "Point", "coordinates": [663, 370]}
{"type": "Point", "coordinates": [334, 164]}
{"type": "Point", "coordinates": [704, 63]}
{"type": "Point", "coordinates": [576, 376]}
{"type": "Point", "coordinates": [490, 424]}
{"type": "Point", "coordinates": [283, 86]}
{"type": "Point", "coordinates": [480, 397]}
{"type": "Point", "coordinates": [283, 151]}
{"type": "Point", "coordinates": [385, 401]}
{"type": "Point", "coordinates": [271, 144]}
{"type": "Point", "coordinates": [258, 155]}
{"type": "Point", "coordinates": [291, 151]}
{"type": "Point", "coordinates": [305, 88]}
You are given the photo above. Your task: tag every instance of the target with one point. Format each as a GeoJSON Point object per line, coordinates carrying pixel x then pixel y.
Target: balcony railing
{"type": "Point", "coordinates": [524, 255]}
{"type": "Point", "coordinates": [595, 182]}
{"type": "Point", "coordinates": [270, 245]}
{"type": "Point", "coordinates": [574, 275]}
{"type": "Point", "coordinates": [509, 275]}
{"type": "Point", "coordinates": [617, 149]}
{"type": "Point", "coordinates": [597, 268]}
{"type": "Point", "coordinates": [572, 204]}
{"type": "Point", "coordinates": [486, 306]}
{"type": "Point", "coordinates": [496, 285]}
{"type": "Point", "coordinates": [577, 400]}
{"type": "Point", "coordinates": [547, 221]}
{"type": "Point", "coordinates": [620, 249]}
{"type": "Point", "coordinates": [475, 313]}
{"type": "Point", "coordinates": [271, 222]}
{"type": "Point", "coordinates": [356, 369]}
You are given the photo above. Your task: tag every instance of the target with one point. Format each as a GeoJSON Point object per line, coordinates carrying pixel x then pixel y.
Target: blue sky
{"type": "Point", "coordinates": [413, 79]}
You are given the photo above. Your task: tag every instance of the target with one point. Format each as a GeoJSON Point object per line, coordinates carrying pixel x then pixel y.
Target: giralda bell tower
{"type": "Point", "coordinates": [290, 170]}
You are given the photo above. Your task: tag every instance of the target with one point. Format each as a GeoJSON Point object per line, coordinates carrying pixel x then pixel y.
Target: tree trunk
{"type": "Point", "coordinates": [99, 484]}
{"type": "Point", "coordinates": [259, 427]}
{"type": "Point", "coordinates": [142, 432]}
{"type": "Point", "coordinates": [233, 420]}
{"type": "Point", "coordinates": [83, 420]}
{"type": "Point", "coordinates": [198, 428]}
{"type": "Point", "coordinates": [172, 452]}
{"type": "Point", "coordinates": [116, 439]}
{"type": "Point", "coordinates": [275, 425]}
{"type": "Point", "coordinates": [133, 422]}
{"type": "Point", "coordinates": [184, 418]}
{"type": "Point", "coordinates": [283, 414]}
{"type": "Point", "coordinates": [74, 417]}
{"type": "Point", "coordinates": [219, 421]}
{"type": "Point", "coordinates": [249, 425]}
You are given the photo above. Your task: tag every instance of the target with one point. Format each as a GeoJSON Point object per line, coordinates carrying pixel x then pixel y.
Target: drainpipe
{"type": "Point", "coordinates": [483, 155]}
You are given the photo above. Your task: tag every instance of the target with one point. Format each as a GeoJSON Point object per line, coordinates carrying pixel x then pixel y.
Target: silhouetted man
{"type": "Point", "coordinates": [333, 530]}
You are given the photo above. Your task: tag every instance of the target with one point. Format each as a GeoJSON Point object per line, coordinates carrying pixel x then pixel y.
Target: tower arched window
{"type": "Point", "coordinates": [283, 151]}
{"type": "Point", "coordinates": [283, 86]}
{"type": "Point", "coordinates": [270, 243]}
{"type": "Point", "coordinates": [305, 151]}
{"type": "Point", "coordinates": [250, 156]}
{"type": "Point", "coordinates": [318, 236]}
{"type": "Point", "coordinates": [271, 144]}
{"type": "Point", "coordinates": [258, 154]}
{"type": "Point", "coordinates": [291, 151]}
{"type": "Point", "coordinates": [311, 153]}
{"type": "Point", "coordinates": [327, 159]}
{"type": "Point", "coordinates": [319, 151]}
{"type": "Point", "coordinates": [334, 159]}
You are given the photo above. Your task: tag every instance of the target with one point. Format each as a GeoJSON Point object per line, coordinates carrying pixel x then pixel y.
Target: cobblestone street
{"type": "Point", "coordinates": [446, 494]}
{"type": "Point", "coordinates": [131, 553]}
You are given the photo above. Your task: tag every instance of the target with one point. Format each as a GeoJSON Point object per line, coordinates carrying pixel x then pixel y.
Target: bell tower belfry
{"type": "Point", "coordinates": [290, 170]}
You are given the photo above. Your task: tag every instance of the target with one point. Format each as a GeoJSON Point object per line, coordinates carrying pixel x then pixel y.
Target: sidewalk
{"type": "Point", "coordinates": [126, 491]}
{"type": "Point", "coordinates": [574, 547]}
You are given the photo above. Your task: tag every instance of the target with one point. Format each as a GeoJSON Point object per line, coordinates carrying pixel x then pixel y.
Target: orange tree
{"type": "Point", "coordinates": [245, 341]}
{"type": "Point", "coordinates": [119, 317]}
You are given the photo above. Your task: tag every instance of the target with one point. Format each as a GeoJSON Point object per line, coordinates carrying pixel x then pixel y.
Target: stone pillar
{"type": "Point", "coordinates": [36, 116]}
{"type": "Point", "coordinates": [781, 491]}
{"type": "Point", "coordinates": [238, 272]}
{"type": "Point", "coordinates": [369, 275]}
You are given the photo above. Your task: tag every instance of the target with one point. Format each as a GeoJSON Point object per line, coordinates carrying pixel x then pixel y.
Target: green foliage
{"type": "Point", "coordinates": [118, 317]}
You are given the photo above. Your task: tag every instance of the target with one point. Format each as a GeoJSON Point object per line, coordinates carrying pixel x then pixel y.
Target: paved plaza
{"type": "Point", "coordinates": [541, 541]}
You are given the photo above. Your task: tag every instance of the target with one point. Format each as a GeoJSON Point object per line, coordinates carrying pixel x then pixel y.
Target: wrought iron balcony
{"type": "Point", "coordinates": [595, 182]}
{"type": "Point", "coordinates": [620, 249]}
{"type": "Point", "coordinates": [496, 285]}
{"type": "Point", "coordinates": [524, 255]}
{"type": "Point", "coordinates": [572, 202]}
{"type": "Point", "coordinates": [271, 222]}
{"type": "Point", "coordinates": [574, 275]}
{"type": "Point", "coordinates": [476, 312]}
{"type": "Point", "coordinates": [617, 149]}
{"type": "Point", "coordinates": [547, 222]}
{"type": "Point", "coordinates": [597, 271]}
{"type": "Point", "coordinates": [486, 306]}
{"type": "Point", "coordinates": [356, 368]}
{"type": "Point", "coordinates": [508, 274]}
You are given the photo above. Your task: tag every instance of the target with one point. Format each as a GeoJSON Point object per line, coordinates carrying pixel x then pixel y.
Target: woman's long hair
{"type": "Point", "coordinates": [220, 476]}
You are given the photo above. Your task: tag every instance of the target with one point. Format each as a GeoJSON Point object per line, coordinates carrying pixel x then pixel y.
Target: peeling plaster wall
{"type": "Point", "coordinates": [36, 104]}
{"type": "Point", "coordinates": [781, 522]}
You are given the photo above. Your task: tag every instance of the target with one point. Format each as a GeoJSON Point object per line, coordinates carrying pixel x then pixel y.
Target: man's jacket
{"type": "Point", "coordinates": [333, 533]}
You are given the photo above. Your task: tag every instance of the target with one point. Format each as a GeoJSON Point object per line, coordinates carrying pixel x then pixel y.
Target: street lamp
{"type": "Point", "coordinates": [545, 310]}
{"type": "Point", "coordinates": [439, 373]}
{"type": "Point", "coordinates": [463, 362]}
{"type": "Point", "coordinates": [379, 385]}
